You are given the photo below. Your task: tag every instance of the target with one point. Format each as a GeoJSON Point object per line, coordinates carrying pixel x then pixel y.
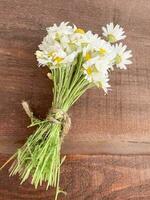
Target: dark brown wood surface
{"type": "Point", "coordinates": [117, 124]}
{"type": "Point", "coordinates": [89, 178]}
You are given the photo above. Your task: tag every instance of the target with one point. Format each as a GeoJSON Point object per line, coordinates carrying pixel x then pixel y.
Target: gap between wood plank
{"type": "Point", "coordinates": [93, 147]}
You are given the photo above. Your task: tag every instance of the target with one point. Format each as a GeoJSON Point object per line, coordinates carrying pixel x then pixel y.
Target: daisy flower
{"type": "Point", "coordinates": [89, 68]}
{"type": "Point", "coordinates": [62, 29]}
{"type": "Point", "coordinates": [113, 33]}
{"type": "Point", "coordinates": [105, 50]}
{"type": "Point", "coordinates": [42, 58]}
{"type": "Point", "coordinates": [95, 71]}
{"type": "Point", "coordinates": [64, 42]}
{"type": "Point", "coordinates": [122, 56]}
{"type": "Point", "coordinates": [102, 81]}
{"type": "Point", "coordinates": [92, 40]}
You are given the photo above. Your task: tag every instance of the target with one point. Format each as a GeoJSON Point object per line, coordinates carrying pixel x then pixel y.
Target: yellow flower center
{"type": "Point", "coordinates": [58, 59]}
{"type": "Point", "coordinates": [89, 70]}
{"type": "Point", "coordinates": [79, 30]}
{"type": "Point", "coordinates": [111, 38]}
{"type": "Point", "coordinates": [87, 56]}
{"type": "Point", "coordinates": [118, 59]}
{"type": "Point", "coordinates": [102, 51]}
{"type": "Point", "coordinates": [57, 37]}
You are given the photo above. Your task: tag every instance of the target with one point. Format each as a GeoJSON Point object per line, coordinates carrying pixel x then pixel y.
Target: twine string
{"type": "Point", "coordinates": [55, 115]}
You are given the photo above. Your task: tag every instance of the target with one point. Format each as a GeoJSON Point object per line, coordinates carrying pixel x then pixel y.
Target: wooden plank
{"type": "Point", "coordinates": [115, 124]}
{"type": "Point", "coordinates": [123, 115]}
{"type": "Point", "coordinates": [86, 146]}
{"type": "Point", "coordinates": [89, 178]}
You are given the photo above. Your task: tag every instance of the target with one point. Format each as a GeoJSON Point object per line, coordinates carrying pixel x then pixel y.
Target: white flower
{"type": "Point", "coordinates": [70, 58]}
{"type": "Point", "coordinates": [63, 43]}
{"type": "Point", "coordinates": [90, 68]}
{"type": "Point", "coordinates": [106, 51]}
{"type": "Point", "coordinates": [91, 40]}
{"type": "Point", "coordinates": [102, 81]}
{"type": "Point", "coordinates": [122, 56]}
{"type": "Point", "coordinates": [47, 44]}
{"type": "Point", "coordinates": [62, 29]}
{"type": "Point", "coordinates": [43, 58]}
{"type": "Point", "coordinates": [99, 78]}
{"type": "Point", "coordinates": [102, 65]}
{"type": "Point", "coordinates": [59, 52]}
{"type": "Point", "coordinates": [95, 71]}
{"type": "Point", "coordinates": [113, 33]}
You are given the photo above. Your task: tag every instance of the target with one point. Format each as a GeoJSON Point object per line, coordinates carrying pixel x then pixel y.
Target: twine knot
{"type": "Point", "coordinates": [57, 116]}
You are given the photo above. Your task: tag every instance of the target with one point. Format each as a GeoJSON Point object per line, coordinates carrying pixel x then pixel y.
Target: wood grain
{"type": "Point", "coordinates": [118, 123]}
{"type": "Point", "coordinates": [89, 178]}
{"type": "Point", "coordinates": [123, 115]}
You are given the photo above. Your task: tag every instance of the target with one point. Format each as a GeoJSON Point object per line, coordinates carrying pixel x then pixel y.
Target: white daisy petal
{"type": "Point", "coordinates": [64, 42]}
{"type": "Point", "coordinates": [113, 33]}
{"type": "Point", "coordinates": [122, 56]}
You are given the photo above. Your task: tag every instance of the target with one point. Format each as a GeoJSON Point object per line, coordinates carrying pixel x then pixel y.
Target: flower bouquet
{"type": "Point", "coordinates": [77, 60]}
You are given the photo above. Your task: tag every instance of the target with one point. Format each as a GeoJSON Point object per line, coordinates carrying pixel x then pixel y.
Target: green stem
{"type": "Point", "coordinates": [40, 156]}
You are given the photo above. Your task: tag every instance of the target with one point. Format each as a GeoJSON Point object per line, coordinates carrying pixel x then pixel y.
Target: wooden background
{"type": "Point", "coordinates": [108, 148]}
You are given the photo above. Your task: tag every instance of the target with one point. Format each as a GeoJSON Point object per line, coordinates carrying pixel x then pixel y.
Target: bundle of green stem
{"type": "Point", "coordinates": [40, 156]}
